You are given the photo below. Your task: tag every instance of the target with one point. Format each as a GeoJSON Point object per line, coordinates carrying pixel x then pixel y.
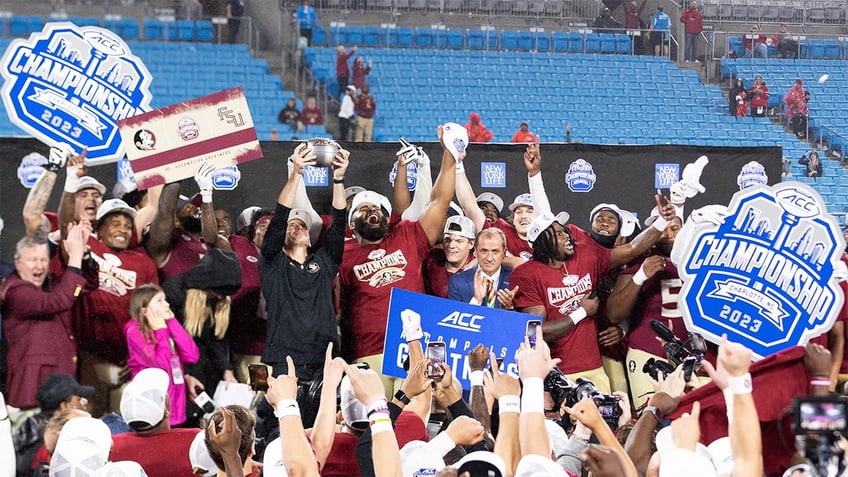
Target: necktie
{"type": "Point", "coordinates": [489, 297]}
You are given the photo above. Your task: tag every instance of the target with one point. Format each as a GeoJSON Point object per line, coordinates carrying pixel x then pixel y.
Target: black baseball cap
{"type": "Point", "coordinates": [56, 388]}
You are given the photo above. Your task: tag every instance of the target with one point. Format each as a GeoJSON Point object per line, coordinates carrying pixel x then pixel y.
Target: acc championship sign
{"type": "Point", "coordinates": [72, 84]}
{"type": "Point", "coordinates": [765, 276]}
{"type": "Point", "coordinates": [461, 326]}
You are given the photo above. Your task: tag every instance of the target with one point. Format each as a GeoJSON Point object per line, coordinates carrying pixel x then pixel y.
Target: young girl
{"type": "Point", "coordinates": [156, 340]}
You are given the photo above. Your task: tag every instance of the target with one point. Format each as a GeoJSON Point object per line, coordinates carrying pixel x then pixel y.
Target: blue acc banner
{"type": "Point", "coordinates": [765, 276]}
{"type": "Point", "coordinates": [460, 326]}
{"type": "Point", "coordinates": [72, 84]}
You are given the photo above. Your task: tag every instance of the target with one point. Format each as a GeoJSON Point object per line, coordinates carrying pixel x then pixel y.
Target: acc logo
{"type": "Point", "coordinates": [30, 169]}
{"type": "Point", "coordinates": [411, 175]}
{"type": "Point", "coordinates": [765, 276]}
{"type": "Point", "coordinates": [580, 176]}
{"type": "Point", "coordinates": [752, 173]}
{"type": "Point", "coordinates": [72, 84]}
{"type": "Point", "coordinates": [226, 178]}
{"type": "Point", "coordinates": [462, 321]}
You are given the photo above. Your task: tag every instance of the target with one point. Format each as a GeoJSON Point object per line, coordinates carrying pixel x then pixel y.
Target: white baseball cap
{"type": "Point", "coordinates": [462, 226]}
{"type": "Point", "coordinates": [272, 462]}
{"type": "Point", "coordinates": [522, 199]}
{"type": "Point", "coordinates": [492, 199]}
{"type": "Point", "coordinates": [352, 191]}
{"type": "Point", "coordinates": [302, 215]}
{"type": "Point", "coordinates": [88, 182]}
{"type": "Point", "coordinates": [246, 215]}
{"type": "Point", "coordinates": [369, 197]}
{"type": "Point", "coordinates": [420, 459]}
{"type": "Point", "coordinates": [542, 222]}
{"type": "Point", "coordinates": [455, 138]}
{"type": "Point", "coordinates": [198, 456]}
{"type": "Point", "coordinates": [124, 468]}
{"type": "Point", "coordinates": [114, 205]}
{"type": "Point", "coordinates": [82, 448]}
{"type": "Point", "coordinates": [144, 397]}
{"type": "Point", "coordinates": [481, 463]}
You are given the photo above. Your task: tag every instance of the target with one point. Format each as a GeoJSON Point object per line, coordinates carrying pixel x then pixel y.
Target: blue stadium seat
{"type": "Point", "coordinates": [526, 40]}
{"type": "Point", "coordinates": [816, 49]}
{"type": "Point", "coordinates": [593, 43]}
{"type": "Point", "coordinates": [543, 42]}
{"type": "Point", "coordinates": [205, 31]}
{"type": "Point", "coordinates": [423, 37]}
{"type": "Point", "coordinates": [735, 44]}
{"type": "Point", "coordinates": [509, 39]}
{"type": "Point", "coordinates": [22, 25]}
{"type": "Point", "coordinates": [355, 35]}
{"type": "Point", "coordinates": [608, 43]}
{"type": "Point", "coordinates": [456, 40]}
{"type": "Point", "coordinates": [84, 21]}
{"type": "Point", "coordinates": [575, 42]}
{"type": "Point", "coordinates": [405, 37]}
{"type": "Point", "coordinates": [153, 29]}
{"type": "Point", "coordinates": [559, 41]}
{"type": "Point", "coordinates": [832, 49]}
{"type": "Point", "coordinates": [440, 38]}
{"type": "Point", "coordinates": [492, 39]}
{"type": "Point", "coordinates": [185, 30]}
{"type": "Point", "coordinates": [475, 39]}
{"type": "Point", "coordinates": [622, 44]}
{"type": "Point", "coordinates": [319, 35]}
{"type": "Point", "coordinates": [370, 36]}
{"type": "Point", "coordinates": [338, 35]}
{"type": "Point", "coordinates": [129, 28]}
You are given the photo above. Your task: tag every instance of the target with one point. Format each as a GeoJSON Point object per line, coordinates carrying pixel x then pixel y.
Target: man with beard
{"type": "Point", "coordinates": [176, 249]}
{"type": "Point", "coordinates": [648, 290]}
{"type": "Point", "coordinates": [297, 281]}
{"type": "Point", "coordinates": [99, 317]}
{"type": "Point", "coordinates": [560, 285]}
{"type": "Point", "coordinates": [379, 259]}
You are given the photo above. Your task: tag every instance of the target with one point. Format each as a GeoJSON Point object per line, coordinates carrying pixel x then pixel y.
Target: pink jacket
{"type": "Point", "coordinates": [148, 355]}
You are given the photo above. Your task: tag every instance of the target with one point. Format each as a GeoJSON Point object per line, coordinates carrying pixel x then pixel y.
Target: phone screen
{"type": "Point", "coordinates": [436, 355]}
{"type": "Point", "coordinates": [531, 331]}
{"type": "Point", "coordinates": [663, 200]}
{"type": "Point", "coordinates": [258, 374]}
{"type": "Point", "coordinates": [823, 415]}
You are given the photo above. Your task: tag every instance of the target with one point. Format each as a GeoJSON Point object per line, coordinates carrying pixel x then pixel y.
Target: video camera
{"type": "Point", "coordinates": [565, 390]}
{"type": "Point", "coordinates": [819, 424]}
{"type": "Point", "coordinates": [690, 353]}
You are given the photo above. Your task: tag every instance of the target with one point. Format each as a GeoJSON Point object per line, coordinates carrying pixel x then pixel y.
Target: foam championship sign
{"type": "Point", "coordinates": [170, 143]}
{"type": "Point", "coordinates": [73, 84]}
{"type": "Point", "coordinates": [461, 326]}
{"type": "Point", "coordinates": [765, 275]}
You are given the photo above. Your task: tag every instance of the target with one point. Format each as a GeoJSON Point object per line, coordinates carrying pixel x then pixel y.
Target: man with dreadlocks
{"type": "Point", "coordinates": [558, 284]}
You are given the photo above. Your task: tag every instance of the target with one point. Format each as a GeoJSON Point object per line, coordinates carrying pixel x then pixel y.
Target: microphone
{"type": "Point", "coordinates": [663, 332]}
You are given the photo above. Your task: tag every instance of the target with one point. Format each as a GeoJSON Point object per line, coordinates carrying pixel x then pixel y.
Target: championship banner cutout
{"type": "Point", "coordinates": [461, 326]}
{"type": "Point", "coordinates": [73, 84]}
{"type": "Point", "coordinates": [765, 275]}
{"type": "Point", "coordinates": [170, 143]}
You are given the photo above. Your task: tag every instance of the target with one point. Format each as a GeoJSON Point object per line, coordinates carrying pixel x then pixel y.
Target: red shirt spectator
{"type": "Point", "coordinates": [311, 115]}
{"type": "Point", "coordinates": [365, 105]}
{"type": "Point", "coordinates": [477, 132]}
{"type": "Point", "coordinates": [523, 134]}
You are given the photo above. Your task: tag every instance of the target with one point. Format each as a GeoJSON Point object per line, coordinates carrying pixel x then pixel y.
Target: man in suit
{"type": "Point", "coordinates": [486, 284]}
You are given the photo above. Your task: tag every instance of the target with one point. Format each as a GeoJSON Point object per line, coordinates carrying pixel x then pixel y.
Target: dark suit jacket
{"type": "Point", "coordinates": [461, 285]}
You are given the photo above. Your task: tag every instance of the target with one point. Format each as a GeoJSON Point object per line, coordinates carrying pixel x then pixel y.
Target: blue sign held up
{"type": "Point", "coordinates": [765, 276]}
{"type": "Point", "coordinates": [461, 326]}
{"type": "Point", "coordinates": [72, 84]}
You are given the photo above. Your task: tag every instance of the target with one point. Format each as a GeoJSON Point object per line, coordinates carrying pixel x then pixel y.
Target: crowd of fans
{"type": "Point", "coordinates": [123, 315]}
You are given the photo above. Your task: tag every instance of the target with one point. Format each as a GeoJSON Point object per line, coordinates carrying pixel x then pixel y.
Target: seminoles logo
{"type": "Point", "coordinates": [383, 271]}
{"type": "Point", "coordinates": [567, 298]}
{"type": "Point", "coordinates": [765, 275]}
{"type": "Point", "coordinates": [72, 84]}
{"type": "Point", "coordinates": [411, 175]}
{"type": "Point", "coordinates": [114, 279]}
{"type": "Point", "coordinates": [580, 176]}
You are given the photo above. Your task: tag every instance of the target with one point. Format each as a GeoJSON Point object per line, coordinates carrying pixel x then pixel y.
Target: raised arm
{"type": "Point", "coordinates": [36, 201]}
{"type": "Point", "coordinates": [144, 216]}
{"type": "Point", "coordinates": [324, 431]}
{"type": "Point", "coordinates": [623, 298]}
{"type": "Point", "coordinates": [433, 218]}
{"type": "Point", "coordinates": [468, 201]}
{"type": "Point", "coordinates": [76, 168]}
{"type": "Point", "coordinates": [208, 224]}
{"type": "Point", "coordinates": [158, 242]}
{"type": "Point", "coordinates": [628, 252]}
{"type": "Point", "coordinates": [533, 163]}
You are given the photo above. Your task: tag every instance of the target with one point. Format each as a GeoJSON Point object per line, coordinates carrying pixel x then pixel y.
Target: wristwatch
{"type": "Point", "coordinates": [657, 412]}
{"type": "Point", "coordinates": [402, 397]}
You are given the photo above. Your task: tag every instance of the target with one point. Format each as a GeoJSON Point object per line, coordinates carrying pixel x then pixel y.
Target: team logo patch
{"type": "Point", "coordinates": [411, 175]}
{"type": "Point", "coordinates": [30, 169]}
{"type": "Point", "coordinates": [72, 84]}
{"type": "Point", "coordinates": [580, 176]}
{"type": "Point", "coordinates": [144, 140]}
{"type": "Point", "coordinates": [752, 173]}
{"type": "Point", "coordinates": [765, 276]}
{"type": "Point", "coordinates": [313, 267]}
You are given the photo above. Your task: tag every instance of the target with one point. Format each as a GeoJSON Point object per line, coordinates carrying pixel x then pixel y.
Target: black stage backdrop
{"type": "Point", "coordinates": [624, 175]}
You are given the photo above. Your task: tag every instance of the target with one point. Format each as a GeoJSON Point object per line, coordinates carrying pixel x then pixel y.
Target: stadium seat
{"type": "Point", "coordinates": [575, 42]}
{"type": "Point", "coordinates": [370, 36]}
{"type": "Point", "coordinates": [319, 35]}
{"type": "Point", "coordinates": [526, 40]}
{"type": "Point", "coordinates": [623, 45]}
{"type": "Point", "coordinates": [185, 30]}
{"type": "Point", "coordinates": [509, 39]}
{"type": "Point", "coordinates": [153, 29]}
{"type": "Point", "coordinates": [832, 50]}
{"type": "Point", "coordinates": [129, 28]}
{"type": "Point", "coordinates": [559, 41]}
{"type": "Point", "coordinates": [423, 37]}
{"type": "Point", "coordinates": [475, 39]}
{"type": "Point", "coordinates": [338, 35]}
{"type": "Point", "coordinates": [593, 43]}
{"type": "Point", "coordinates": [455, 39]}
{"type": "Point", "coordinates": [355, 35]}
{"type": "Point", "coordinates": [84, 21]}
{"type": "Point", "coordinates": [405, 37]}
{"type": "Point", "coordinates": [542, 41]}
{"type": "Point", "coordinates": [440, 38]}
{"type": "Point", "coordinates": [816, 49]}
{"type": "Point", "coordinates": [608, 43]}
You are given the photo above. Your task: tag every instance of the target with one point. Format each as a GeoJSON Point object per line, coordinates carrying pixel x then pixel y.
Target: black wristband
{"type": "Point", "coordinates": [338, 181]}
{"type": "Point", "coordinates": [402, 397]}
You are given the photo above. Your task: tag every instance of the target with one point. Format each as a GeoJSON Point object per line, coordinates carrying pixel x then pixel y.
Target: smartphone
{"type": "Point", "coordinates": [821, 414]}
{"type": "Point", "coordinates": [663, 200]}
{"type": "Point", "coordinates": [258, 374]}
{"type": "Point", "coordinates": [593, 295]}
{"type": "Point", "coordinates": [436, 355]}
{"type": "Point", "coordinates": [531, 331]}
